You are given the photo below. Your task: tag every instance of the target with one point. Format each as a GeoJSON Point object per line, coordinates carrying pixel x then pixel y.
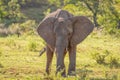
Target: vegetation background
{"type": "Point", "coordinates": [97, 56]}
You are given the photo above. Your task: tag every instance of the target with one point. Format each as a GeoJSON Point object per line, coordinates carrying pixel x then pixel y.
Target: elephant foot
{"type": "Point", "coordinates": [71, 73]}
{"type": "Point", "coordinates": [47, 72]}
{"type": "Point", "coordinates": [61, 73]}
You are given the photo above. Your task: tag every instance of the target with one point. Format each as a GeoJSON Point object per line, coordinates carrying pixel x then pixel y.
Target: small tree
{"type": "Point", "coordinates": [10, 11]}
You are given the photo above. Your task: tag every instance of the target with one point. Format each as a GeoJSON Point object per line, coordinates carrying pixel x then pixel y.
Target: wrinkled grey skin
{"type": "Point", "coordinates": [62, 32]}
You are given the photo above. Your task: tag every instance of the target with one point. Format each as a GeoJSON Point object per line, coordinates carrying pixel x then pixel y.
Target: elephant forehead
{"type": "Point", "coordinates": [60, 29]}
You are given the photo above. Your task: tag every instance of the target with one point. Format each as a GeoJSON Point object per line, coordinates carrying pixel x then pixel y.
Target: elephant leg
{"type": "Point", "coordinates": [64, 72]}
{"type": "Point", "coordinates": [72, 60]}
{"type": "Point", "coordinates": [49, 54]}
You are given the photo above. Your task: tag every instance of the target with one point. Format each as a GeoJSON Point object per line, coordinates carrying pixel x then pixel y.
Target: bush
{"type": "Point", "coordinates": [77, 9]}
{"type": "Point", "coordinates": [107, 58]}
{"type": "Point", "coordinates": [47, 12]}
{"type": "Point", "coordinates": [113, 61]}
{"type": "Point", "coordinates": [100, 57]}
{"type": "Point", "coordinates": [23, 28]}
{"type": "Point", "coordinates": [28, 25]}
{"type": "Point", "coordinates": [10, 12]}
{"type": "Point", "coordinates": [4, 32]}
{"type": "Point", "coordinates": [14, 28]}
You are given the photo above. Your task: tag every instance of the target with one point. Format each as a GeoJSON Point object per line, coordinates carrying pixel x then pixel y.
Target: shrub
{"type": "Point", "coordinates": [113, 61]}
{"type": "Point", "coordinates": [23, 28]}
{"type": "Point", "coordinates": [4, 32]}
{"type": "Point", "coordinates": [14, 28]}
{"type": "Point", "coordinates": [100, 57]}
{"type": "Point", "coordinates": [107, 58]}
{"type": "Point", "coordinates": [28, 26]}
{"type": "Point", "coordinates": [47, 12]}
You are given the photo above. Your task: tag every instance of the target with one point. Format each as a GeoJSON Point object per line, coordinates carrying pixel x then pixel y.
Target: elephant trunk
{"type": "Point", "coordinates": [61, 45]}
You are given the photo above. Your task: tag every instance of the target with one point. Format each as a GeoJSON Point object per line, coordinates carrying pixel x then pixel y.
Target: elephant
{"type": "Point", "coordinates": [62, 31]}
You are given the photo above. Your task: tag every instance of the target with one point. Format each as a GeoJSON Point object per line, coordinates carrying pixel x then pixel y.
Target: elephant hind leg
{"type": "Point", "coordinates": [49, 54]}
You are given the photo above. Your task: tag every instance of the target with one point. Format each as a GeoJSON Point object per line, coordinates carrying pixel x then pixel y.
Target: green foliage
{"type": "Point", "coordinates": [47, 11]}
{"type": "Point", "coordinates": [32, 46]}
{"type": "Point", "coordinates": [104, 8]}
{"type": "Point", "coordinates": [14, 28]}
{"type": "Point", "coordinates": [114, 61]}
{"type": "Point", "coordinates": [107, 58]}
{"type": "Point", "coordinates": [106, 13]}
{"type": "Point", "coordinates": [27, 27]}
{"type": "Point", "coordinates": [10, 12]}
{"type": "Point", "coordinates": [4, 32]}
{"type": "Point", "coordinates": [58, 3]}
{"type": "Point", "coordinates": [100, 57]}
{"type": "Point", "coordinates": [72, 9]}
{"type": "Point", "coordinates": [2, 10]}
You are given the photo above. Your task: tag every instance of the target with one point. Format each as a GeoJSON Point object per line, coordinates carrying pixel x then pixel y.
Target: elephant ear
{"type": "Point", "coordinates": [45, 30]}
{"type": "Point", "coordinates": [82, 27]}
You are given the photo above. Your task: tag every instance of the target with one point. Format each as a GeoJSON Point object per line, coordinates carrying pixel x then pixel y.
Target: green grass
{"type": "Point", "coordinates": [19, 59]}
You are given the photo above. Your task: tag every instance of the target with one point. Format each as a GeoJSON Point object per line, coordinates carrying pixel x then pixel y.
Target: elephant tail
{"type": "Point", "coordinates": [42, 51]}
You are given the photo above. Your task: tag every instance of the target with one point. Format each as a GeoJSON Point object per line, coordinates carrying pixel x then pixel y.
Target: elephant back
{"type": "Point", "coordinates": [59, 13]}
{"type": "Point", "coordinates": [63, 14]}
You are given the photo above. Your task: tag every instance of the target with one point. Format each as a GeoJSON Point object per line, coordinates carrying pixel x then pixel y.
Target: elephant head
{"type": "Point", "coordinates": [62, 34]}
{"type": "Point", "coordinates": [72, 30]}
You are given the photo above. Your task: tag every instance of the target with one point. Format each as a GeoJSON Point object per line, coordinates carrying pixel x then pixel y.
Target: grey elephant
{"type": "Point", "coordinates": [62, 32]}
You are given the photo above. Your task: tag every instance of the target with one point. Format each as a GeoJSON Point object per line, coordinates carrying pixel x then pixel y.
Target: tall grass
{"type": "Point", "coordinates": [97, 59]}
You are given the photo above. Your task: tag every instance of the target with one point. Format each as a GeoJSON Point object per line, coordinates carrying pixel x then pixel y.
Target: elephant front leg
{"type": "Point", "coordinates": [72, 59]}
{"type": "Point", "coordinates": [49, 54]}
